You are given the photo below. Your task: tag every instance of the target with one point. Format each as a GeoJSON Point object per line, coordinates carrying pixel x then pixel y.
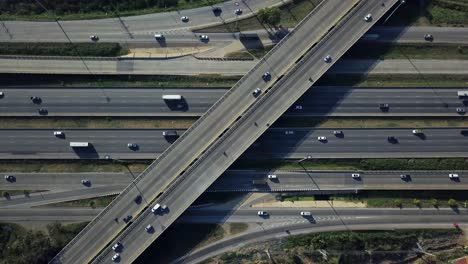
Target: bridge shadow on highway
{"type": "Point", "coordinates": [89, 152]}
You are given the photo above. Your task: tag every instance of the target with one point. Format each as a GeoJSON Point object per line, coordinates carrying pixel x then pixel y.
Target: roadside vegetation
{"type": "Point", "coordinates": [38, 80]}
{"type": "Point", "coordinates": [95, 122]}
{"type": "Point", "coordinates": [394, 80]}
{"type": "Point", "coordinates": [436, 12]}
{"type": "Point", "coordinates": [98, 202]}
{"type": "Point", "coordinates": [21, 246]}
{"type": "Point", "coordinates": [351, 247]}
{"type": "Point", "coordinates": [350, 122]}
{"type": "Point", "coordinates": [134, 166]}
{"type": "Point", "coordinates": [90, 9]}
{"type": "Point", "coordinates": [63, 49]}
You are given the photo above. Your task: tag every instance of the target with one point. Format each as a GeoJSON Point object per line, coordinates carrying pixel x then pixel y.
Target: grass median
{"type": "Point", "coordinates": [38, 80]}
{"type": "Point", "coordinates": [63, 49]}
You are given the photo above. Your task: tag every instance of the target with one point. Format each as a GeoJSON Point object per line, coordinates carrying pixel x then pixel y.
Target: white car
{"type": "Point", "coordinates": [337, 132]}
{"type": "Point", "coordinates": [272, 176]}
{"type": "Point", "coordinates": [453, 176]}
{"type": "Point", "coordinates": [116, 246]}
{"type": "Point", "coordinates": [417, 131]}
{"type": "Point", "coordinates": [305, 213]}
{"type": "Point", "coordinates": [115, 257]}
{"type": "Point", "coordinates": [1, 94]}
{"type": "Point", "coordinates": [155, 208]}
{"type": "Point", "coordinates": [256, 92]}
{"type": "Point", "coordinates": [204, 37]}
{"type": "Point", "coordinates": [262, 213]}
{"type": "Point", "coordinates": [9, 177]}
{"type": "Point", "coordinates": [158, 36]}
{"type": "Point", "coordinates": [355, 175]}
{"type": "Point", "coordinates": [322, 138]}
{"type": "Point", "coordinates": [298, 107]}
{"type": "Point", "coordinates": [184, 19]}
{"type": "Point", "coordinates": [238, 11]}
{"type": "Point", "coordinates": [149, 228]}
{"type": "Point", "coordinates": [94, 38]}
{"type": "Point", "coordinates": [368, 18]}
{"type": "Point", "coordinates": [58, 133]}
{"type": "Point", "coordinates": [327, 59]}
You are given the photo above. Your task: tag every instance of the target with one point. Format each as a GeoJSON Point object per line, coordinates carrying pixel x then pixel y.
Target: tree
{"type": "Point", "coordinates": [452, 203]}
{"type": "Point", "coordinates": [417, 202]}
{"type": "Point", "coordinates": [270, 16]}
{"type": "Point", "coordinates": [435, 203]}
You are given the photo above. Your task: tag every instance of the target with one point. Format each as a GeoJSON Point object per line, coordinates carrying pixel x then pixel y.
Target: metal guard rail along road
{"type": "Point", "coordinates": [210, 176]}
{"type": "Point", "coordinates": [59, 257]}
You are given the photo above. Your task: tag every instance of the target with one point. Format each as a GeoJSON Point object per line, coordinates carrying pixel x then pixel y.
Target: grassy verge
{"type": "Point", "coordinates": [373, 246]}
{"type": "Point", "coordinates": [394, 80]}
{"type": "Point", "coordinates": [94, 122]}
{"type": "Point", "coordinates": [355, 164]}
{"type": "Point", "coordinates": [436, 12]}
{"type": "Point", "coordinates": [17, 192]}
{"type": "Point", "coordinates": [97, 202]}
{"type": "Point", "coordinates": [71, 166]}
{"type": "Point", "coordinates": [291, 14]}
{"type": "Point", "coordinates": [405, 51]}
{"type": "Point", "coordinates": [20, 245]}
{"type": "Point", "coordinates": [408, 199]}
{"type": "Point", "coordinates": [63, 49]}
{"type": "Point", "coordinates": [179, 239]}
{"type": "Point", "coordinates": [349, 122]}
{"type": "Point", "coordinates": [94, 10]}
{"type": "Point", "coordinates": [38, 80]}
{"type": "Point", "coordinates": [236, 228]}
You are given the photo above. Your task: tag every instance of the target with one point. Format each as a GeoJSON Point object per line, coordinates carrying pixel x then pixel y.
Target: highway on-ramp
{"type": "Point", "coordinates": [196, 178]}
{"type": "Point", "coordinates": [171, 164]}
{"type": "Point", "coordinates": [276, 143]}
{"type": "Point", "coordinates": [123, 29]}
{"type": "Point", "coordinates": [319, 101]}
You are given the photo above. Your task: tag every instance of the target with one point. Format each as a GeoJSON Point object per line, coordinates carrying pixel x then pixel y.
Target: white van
{"type": "Point", "coordinates": [155, 208]}
{"type": "Point", "coordinates": [158, 36]}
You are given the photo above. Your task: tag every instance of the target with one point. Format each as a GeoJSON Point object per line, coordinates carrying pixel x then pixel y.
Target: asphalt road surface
{"type": "Point", "coordinates": [318, 101]}
{"type": "Point", "coordinates": [204, 170]}
{"type": "Point", "coordinates": [68, 186]}
{"type": "Point", "coordinates": [193, 66]}
{"type": "Point", "coordinates": [206, 130]}
{"type": "Point", "coordinates": [242, 180]}
{"type": "Point", "coordinates": [125, 29]}
{"type": "Point", "coordinates": [276, 143]}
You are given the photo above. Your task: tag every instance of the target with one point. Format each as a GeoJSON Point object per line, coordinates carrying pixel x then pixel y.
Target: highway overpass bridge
{"type": "Point", "coordinates": [196, 159]}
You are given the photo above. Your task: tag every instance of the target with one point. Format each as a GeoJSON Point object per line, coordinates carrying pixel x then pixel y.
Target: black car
{"type": "Point", "coordinates": [36, 99]}
{"type": "Point", "coordinates": [384, 107]}
{"type": "Point", "coordinates": [392, 139]}
{"type": "Point", "coordinates": [127, 218]}
{"type": "Point", "coordinates": [42, 111]}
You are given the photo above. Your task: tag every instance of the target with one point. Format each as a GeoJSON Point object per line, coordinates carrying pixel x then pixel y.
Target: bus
{"type": "Point", "coordinates": [79, 144]}
{"type": "Point", "coordinates": [172, 97]}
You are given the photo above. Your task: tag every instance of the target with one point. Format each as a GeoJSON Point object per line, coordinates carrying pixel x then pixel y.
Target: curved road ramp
{"type": "Point", "coordinates": [190, 165]}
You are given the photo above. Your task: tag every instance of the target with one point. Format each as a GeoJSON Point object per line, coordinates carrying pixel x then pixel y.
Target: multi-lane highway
{"type": "Point", "coordinates": [193, 66]}
{"type": "Point", "coordinates": [276, 143]}
{"type": "Point", "coordinates": [68, 186]}
{"type": "Point", "coordinates": [125, 29]}
{"type": "Point", "coordinates": [170, 165]}
{"type": "Point", "coordinates": [197, 176]}
{"type": "Point", "coordinates": [318, 101]}
{"type": "Point", "coordinates": [416, 34]}
{"type": "Point", "coordinates": [242, 180]}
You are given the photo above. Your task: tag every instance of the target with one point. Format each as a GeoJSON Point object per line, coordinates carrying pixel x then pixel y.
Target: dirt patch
{"type": "Point", "coordinates": [165, 52]}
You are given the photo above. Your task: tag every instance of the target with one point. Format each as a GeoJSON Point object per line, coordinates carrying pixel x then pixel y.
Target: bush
{"type": "Point", "coordinates": [63, 49]}
{"type": "Point", "coordinates": [452, 203]}
{"type": "Point", "coordinates": [435, 203]}
{"type": "Point", "coordinates": [398, 203]}
{"type": "Point", "coordinates": [270, 16]}
{"type": "Point", "coordinates": [417, 202]}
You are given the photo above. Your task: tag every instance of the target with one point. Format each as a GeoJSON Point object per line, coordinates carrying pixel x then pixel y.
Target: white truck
{"type": "Point", "coordinates": [79, 144]}
{"type": "Point", "coordinates": [172, 97]}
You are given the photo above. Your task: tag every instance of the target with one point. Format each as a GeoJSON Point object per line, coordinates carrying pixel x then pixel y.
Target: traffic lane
{"type": "Point", "coordinates": [82, 101]}
{"type": "Point", "coordinates": [317, 101]}
{"type": "Point", "coordinates": [43, 198]}
{"type": "Point", "coordinates": [63, 181]}
{"type": "Point", "coordinates": [215, 122]}
{"type": "Point", "coordinates": [48, 214]}
{"type": "Point", "coordinates": [295, 143]}
{"type": "Point", "coordinates": [124, 28]}
{"type": "Point", "coordinates": [416, 34]}
{"type": "Point", "coordinates": [234, 180]}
